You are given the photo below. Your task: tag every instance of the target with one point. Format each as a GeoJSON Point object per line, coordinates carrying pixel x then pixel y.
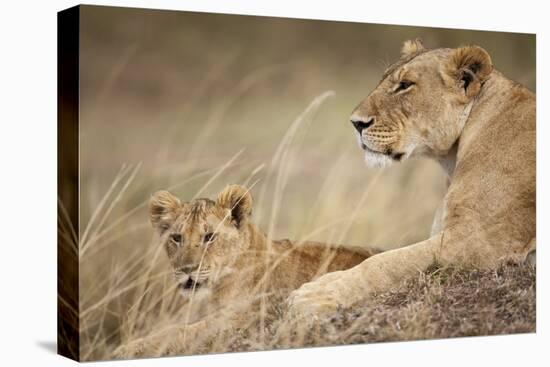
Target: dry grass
{"type": "Point", "coordinates": [136, 297]}
{"type": "Point", "coordinates": [168, 101]}
{"type": "Point", "coordinates": [441, 303]}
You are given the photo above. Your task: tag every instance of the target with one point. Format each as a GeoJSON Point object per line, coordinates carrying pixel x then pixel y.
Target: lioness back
{"type": "Point", "coordinates": [310, 260]}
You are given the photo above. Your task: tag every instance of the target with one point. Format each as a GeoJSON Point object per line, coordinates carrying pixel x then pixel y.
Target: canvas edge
{"type": "Point", "coordinates": [68, 43]}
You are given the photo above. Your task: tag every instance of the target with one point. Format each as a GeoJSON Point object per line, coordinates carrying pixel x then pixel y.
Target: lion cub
{"type": "Point", "coordinates": [220, 256]}
{"type": "Point", "coordinates": [226, 267]}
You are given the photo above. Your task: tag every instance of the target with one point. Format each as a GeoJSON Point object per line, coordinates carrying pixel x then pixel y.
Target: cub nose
{"type": "Point", "coordinates": [360, 125]}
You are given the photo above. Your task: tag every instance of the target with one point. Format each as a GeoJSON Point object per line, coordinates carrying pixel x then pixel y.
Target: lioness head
{"type": "Point", "coordinates": [421, 104]}
{"type": "Point", "coordinates": [203, 237]}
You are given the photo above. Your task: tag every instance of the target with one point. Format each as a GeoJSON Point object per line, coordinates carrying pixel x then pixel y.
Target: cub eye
{"type": "Point", "coordinates": [176, 238]}
{"type": "Point", "coordinates": [403, 85]}
{"type": "Point", "coordinates": [209, 237]}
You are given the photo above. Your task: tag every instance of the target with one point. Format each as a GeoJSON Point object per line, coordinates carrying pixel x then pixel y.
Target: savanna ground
{"type": "Point", "coordinates": [440, 303]}
{"type": "Point", "coordinates": [191, 103]}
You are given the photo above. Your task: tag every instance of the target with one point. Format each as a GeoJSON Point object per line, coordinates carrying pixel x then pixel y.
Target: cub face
{"type": "Point", "coordinates": [202, 238]}
{"type": "Point", "coordinates": [421, 104]}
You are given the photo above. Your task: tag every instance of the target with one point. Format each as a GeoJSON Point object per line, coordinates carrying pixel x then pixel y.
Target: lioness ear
{"type": "Point", "coordinates": [238, 200]}
{"type": "Point", "coordinates": [163, 210]}
{"type": "Point", "coordinates": [470, 66]}
{"type": "Point", "coordinates": [411, 47]}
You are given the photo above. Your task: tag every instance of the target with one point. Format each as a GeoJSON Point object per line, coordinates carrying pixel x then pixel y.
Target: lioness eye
{"type": "Point", "coordinates": [209, 237]}
{"type": "Point", "coordinates": [403, 85]}
{"type": "Point", "coordinates": [176, 238]}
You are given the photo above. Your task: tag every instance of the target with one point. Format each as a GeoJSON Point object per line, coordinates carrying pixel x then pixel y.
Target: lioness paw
{"type": "Point", "coordinates": [318, 299]}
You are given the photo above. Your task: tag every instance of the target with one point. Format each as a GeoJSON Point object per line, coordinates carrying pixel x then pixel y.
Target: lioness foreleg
{"type": "Point", "coordinates": [378, 273]}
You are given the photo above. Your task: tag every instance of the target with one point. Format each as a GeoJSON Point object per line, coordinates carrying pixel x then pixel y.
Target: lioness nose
{"type": "Point", "coordinates": [360, 125]}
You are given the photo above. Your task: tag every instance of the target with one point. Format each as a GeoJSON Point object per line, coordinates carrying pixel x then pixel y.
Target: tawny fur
{"type": "Point", "coordinates": [412, 47]}
{"type": "Point", "coordinates": [245, 270]}
{"type": "Point", "coordinates": [480, 126]}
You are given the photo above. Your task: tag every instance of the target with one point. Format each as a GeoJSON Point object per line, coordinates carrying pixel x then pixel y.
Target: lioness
{"type": "Point", "coordinates": [223, 263]}
{"type": "Point", "coordinates": [453, 106]}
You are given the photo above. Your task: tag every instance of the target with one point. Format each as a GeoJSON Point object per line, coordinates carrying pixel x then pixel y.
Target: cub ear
{"type": "Point", "coordinates": [411, 47]}
{"type": "Point", "coordinates": [470, 66]}
{"type": "Point", "coordinates": [238, 200]}
{"type": "Point", "coordinates": [163, 210]}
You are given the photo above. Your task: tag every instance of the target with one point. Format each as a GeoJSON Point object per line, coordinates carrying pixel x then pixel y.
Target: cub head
{"type": "Point", "coordinates": [202, 238]}
{"type": "Point", "coordinates": [421, 104]}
